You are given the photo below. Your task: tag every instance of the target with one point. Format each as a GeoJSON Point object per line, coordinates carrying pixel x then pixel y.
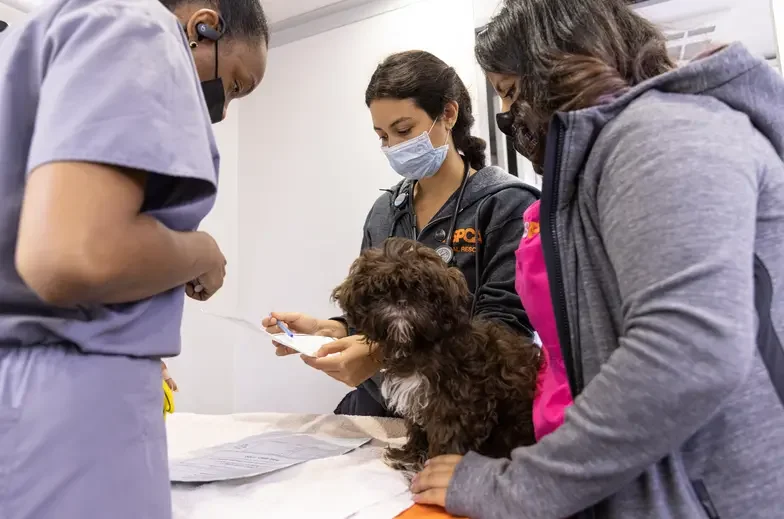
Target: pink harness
{"type": "Point", "coordinates": [553, 395]}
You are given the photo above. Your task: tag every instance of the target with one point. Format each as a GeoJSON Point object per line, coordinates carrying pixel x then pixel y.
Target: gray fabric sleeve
{"type": "Point", "coordinates": [677, 208]}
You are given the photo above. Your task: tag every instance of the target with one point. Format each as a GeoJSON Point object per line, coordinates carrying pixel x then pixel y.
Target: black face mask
{"type": "Point", "coordinates": [526, 143]}
{"type": "Point", "coordinates": [505, 122]}
{"type": "Point", "coordinates": [214, 94]}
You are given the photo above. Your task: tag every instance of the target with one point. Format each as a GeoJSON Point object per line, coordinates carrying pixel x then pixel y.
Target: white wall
{"type": "Point", "coordinates": [484, 10]}
{"type": "Point", "coordinates": [310, 168]}
{"type": "Point", "coordinates": [10, 14]}
{"type": "Point", "coordinates": [777, 8]}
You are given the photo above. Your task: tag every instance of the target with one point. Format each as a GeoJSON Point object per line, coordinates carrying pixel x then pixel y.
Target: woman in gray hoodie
{"type": "Point", "coordinates": [662, 232]}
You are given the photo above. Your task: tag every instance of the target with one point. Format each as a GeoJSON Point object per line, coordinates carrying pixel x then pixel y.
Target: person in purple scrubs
{"type": "Point", "coordinates": [108, 164]}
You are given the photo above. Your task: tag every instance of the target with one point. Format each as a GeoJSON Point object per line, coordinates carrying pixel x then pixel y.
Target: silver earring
{"type": "Point", "coordinates": [193, 44]}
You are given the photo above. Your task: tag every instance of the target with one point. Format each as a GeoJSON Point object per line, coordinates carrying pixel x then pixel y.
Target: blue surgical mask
{"type": "Point", "coordinates": [416, 158]}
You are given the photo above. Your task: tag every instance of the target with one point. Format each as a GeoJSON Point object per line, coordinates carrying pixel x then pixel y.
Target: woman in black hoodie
{"type": "Point", "coordinates": [449, 199]}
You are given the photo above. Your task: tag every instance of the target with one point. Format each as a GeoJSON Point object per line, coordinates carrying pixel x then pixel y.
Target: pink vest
{"type": "Point", "coordinates": [553, 395]}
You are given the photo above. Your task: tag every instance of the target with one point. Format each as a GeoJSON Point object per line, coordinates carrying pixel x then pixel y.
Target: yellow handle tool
{"type": "Point", "coordinates": [168, 400]}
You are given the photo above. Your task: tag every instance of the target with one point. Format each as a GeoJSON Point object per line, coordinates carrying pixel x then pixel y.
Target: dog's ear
{"type": "Point", "coordinates": [341, 293]}
{"type": "Point", "coordinates": [364, 281]}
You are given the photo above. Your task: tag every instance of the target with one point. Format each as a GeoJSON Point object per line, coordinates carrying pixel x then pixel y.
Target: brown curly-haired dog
{"type": "Point", "coordinates": [461, 384]}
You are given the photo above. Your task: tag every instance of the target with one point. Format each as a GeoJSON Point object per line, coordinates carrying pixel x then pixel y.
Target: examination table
{"type": "Point", "coordinates": [356, 486]}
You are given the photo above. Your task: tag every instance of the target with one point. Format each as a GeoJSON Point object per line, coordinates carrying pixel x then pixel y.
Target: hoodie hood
{"type": "Point", "coordinates": [731, 75]}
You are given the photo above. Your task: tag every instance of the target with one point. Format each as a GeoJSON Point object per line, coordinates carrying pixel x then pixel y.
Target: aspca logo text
{"type": "Point", "coordinates": [468, 235]}
{"type": "Point", "coordinates": [465, 240]}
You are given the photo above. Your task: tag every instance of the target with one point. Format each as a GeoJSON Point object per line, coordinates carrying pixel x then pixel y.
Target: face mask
{"type": "Point", "coordinates": [214, 94]}
{"type": "Point", "coordinates": [505, 122]}
{"type": "Point", "coordinates": [526, 143]}
{"type": "Point", "coordinates": [416, 158]}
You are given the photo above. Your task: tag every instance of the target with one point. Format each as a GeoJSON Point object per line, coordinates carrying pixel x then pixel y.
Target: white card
{"type": "Point", "coordinates": [305, 344]}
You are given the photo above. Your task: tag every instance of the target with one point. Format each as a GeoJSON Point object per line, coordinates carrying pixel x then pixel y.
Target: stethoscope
{"type": "Point", "coordinates": [446, 251]}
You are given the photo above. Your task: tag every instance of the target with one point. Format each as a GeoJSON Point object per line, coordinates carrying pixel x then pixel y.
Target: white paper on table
{"type": "Point", "coordinates": [304, 491]}
{"type": "Point", "coordinates": [386, 509]}
{"type": "Point", "coordinates": [258, 455]}
{"type": "Point", "coordinates": [306, 344]}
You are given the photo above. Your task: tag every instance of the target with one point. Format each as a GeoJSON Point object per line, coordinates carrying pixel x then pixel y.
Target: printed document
{"type": "Point", "coordinates": [258, 455]}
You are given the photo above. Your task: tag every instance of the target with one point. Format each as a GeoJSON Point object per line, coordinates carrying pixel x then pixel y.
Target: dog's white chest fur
{"type": "Point", "coordinates": [406, 396]}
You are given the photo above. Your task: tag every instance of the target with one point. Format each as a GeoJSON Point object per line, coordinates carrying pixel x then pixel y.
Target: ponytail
{"type": "Point", "coordinates": [471, 147]}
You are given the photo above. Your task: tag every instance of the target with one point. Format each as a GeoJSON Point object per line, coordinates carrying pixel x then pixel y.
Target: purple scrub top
{"type": "Point", "coordinates": [111, 82]}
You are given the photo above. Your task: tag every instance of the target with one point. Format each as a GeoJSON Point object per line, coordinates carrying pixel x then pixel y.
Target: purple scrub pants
{"type": "Point", "coordinates": [81, 436]}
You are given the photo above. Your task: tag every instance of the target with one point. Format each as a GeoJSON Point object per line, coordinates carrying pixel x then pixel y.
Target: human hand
{"type": "Point", "coordinates": [206, 285]}
{"type": "Point", "coordinates": [301, 323]}
{"type": "Point", "coordinates": [353, 364]}
{"type": "Point", "coordinates": [430, 486]}
{"type": "Point", "coordinates": [167, 378]}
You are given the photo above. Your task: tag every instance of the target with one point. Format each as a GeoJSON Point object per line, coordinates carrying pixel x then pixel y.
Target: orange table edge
{"type": "Point", "coordinates": [425, 512]}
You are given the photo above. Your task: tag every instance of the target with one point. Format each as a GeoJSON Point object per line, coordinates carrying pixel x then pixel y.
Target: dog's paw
{"type": "Point", "coordinates": [404, 462]}
{"type": "Point", "coordinates": [406, 466]}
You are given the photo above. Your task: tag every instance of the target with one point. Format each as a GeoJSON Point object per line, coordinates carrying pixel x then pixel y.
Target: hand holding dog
{"type": "Point", "coordinates": [430, 486]}
{"type": "Point", "coordinates": [353, 364]}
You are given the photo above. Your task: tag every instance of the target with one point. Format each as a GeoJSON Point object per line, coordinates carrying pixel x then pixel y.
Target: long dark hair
{"type": "Point", "coordinates": [569, 54]}
{"type": "Point", "coordinates": [431, 84]}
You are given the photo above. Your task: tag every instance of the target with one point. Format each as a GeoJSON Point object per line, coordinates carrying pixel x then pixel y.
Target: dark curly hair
{"type": "Point", "coordinates": [460, 383]}
{"type": "Point", "coordinates": [431, 84]}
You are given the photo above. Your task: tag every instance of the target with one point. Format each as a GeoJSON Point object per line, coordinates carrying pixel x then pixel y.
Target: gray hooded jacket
{"type": "Point", "coordinates": [663, 233]}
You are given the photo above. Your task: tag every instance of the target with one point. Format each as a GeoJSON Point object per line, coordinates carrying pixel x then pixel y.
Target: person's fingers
{"type": "Point", "coordinates": [332, 347]}
{"type": "Point", "coordinates": [331, 364]}
{"type": "Point", "coordinates": [433, 497]}
{"type": "Point", "coordinates": [171, 383]}
{"type": "Point", "coordinates": [269, 321]}
{"type": "Point", "coordinates": [432, 478]}
{"type": "Point", "coordinates": [283, 351]}
{"type": "Point", "coordinates": [272, 330]}
{"type": "Point", "coordinates": [450, 460]}
{"type": "Point", "coordinates": [286, 317]}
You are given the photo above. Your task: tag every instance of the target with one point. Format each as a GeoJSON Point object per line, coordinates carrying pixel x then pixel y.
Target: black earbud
{"type": "Point", "coordinates": [210, 33]}
{"type": "Point", "coordinates": [3, 26]}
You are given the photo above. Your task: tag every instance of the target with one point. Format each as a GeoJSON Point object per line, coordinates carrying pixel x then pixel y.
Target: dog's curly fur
{"type": "Point", "coordinates": [461, 384]}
